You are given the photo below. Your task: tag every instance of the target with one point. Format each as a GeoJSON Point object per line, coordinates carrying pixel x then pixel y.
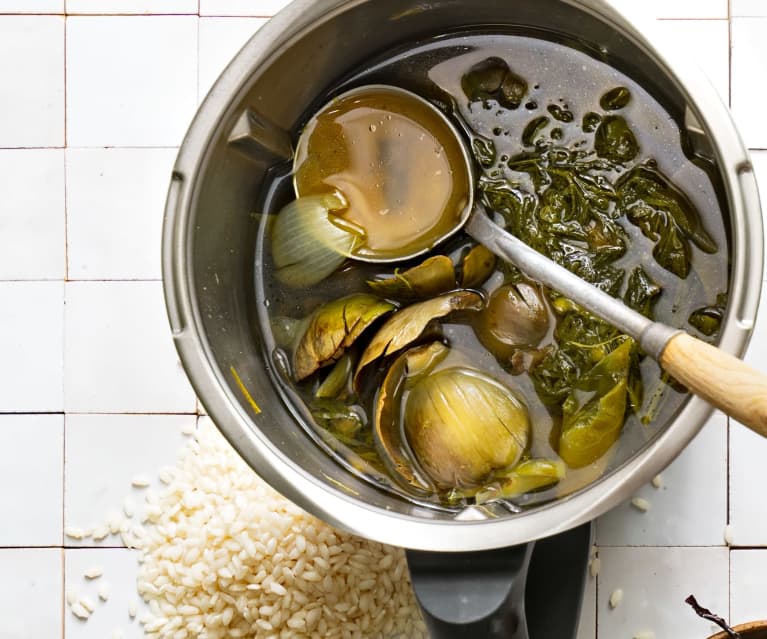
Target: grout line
{"type": "Point", "coordinates": [131, 413]}
{"type": "Point", "coordinates": [64, 485]}
{"type": "Point", "coordinates": [66, 142]}
{"type": "Point", "coordinates": [48, 147]}
{"type": "Point", "coordinates": [4, 547]}
{"type": "Point", "coordinates": [121, 279]}
{"type": "Point", "coordinates": [709, 19]}
{"type": "Point", "coordinates": [42, 280]}
{"type": "Point", "coordinates": [80, 412]}
{"type": "Point", "coordinates": [197, 87]}
{"type": "Point", "coordinates": [728, 457]}
{"type": "Point", "coordinates": [242, 15]}
{"type": "Point", "coordinates": [38, 14]}
{"type": "Point", "coordinates": [729, 54]}
{"type": "Point", "coordinates": [102, 547]}
{"type": "Point", "coordinates": [26, 412]}
{"type": "Point", "coordinates": [81, 14]}
{"type": "Point", "coordinates": [63, 479]}
{"type": "Point", "coordinates": [91, 146]}
{"type": "Point", "coordinates": [63, 591]}
{"type": "Point", "coordinates": [672, 546]}
{"type": "Point", "coordinates": [596, 594]}
{"type": "Point", "coordinates": [729, 586]}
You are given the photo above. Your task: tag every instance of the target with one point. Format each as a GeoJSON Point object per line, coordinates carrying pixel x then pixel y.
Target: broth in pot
{"type": "Point", "coordinates": [453, 379]}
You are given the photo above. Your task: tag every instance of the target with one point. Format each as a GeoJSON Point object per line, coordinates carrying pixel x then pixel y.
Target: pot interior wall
{"type": "Point", "coordinates": [275, 99]}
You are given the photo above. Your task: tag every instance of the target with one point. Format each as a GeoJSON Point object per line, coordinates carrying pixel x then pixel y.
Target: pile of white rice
{"type": "Point", "coordinates": [225, 556]}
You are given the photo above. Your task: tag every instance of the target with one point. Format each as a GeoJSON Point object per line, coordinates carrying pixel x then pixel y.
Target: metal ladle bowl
{"type": "Point", "coordinates": [721, 379]}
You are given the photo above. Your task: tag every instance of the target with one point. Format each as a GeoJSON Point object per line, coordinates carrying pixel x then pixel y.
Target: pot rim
{"type": "Point", "coordinates": [344, 510]}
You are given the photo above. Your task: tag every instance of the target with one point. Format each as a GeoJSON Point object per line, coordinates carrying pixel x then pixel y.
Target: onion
{"type": "Point", "coordinates": [308, 243]}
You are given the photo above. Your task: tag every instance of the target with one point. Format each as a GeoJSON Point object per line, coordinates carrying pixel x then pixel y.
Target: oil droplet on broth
{"type": "Point", "coordinates": [397, 164]}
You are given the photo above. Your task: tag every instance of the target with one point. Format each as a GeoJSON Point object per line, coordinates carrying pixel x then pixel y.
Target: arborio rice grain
{"type": "Point", "coordinates": [225, 556]}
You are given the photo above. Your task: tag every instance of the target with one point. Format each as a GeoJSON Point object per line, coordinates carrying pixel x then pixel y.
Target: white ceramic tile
{"type": "Point", "coordinates": [759, 160]}
{"type": "Point", "coordinates": [655, 583]}
{"type": "Point", "coordinates": [31, 6]}
{"type": "Point", "coordinates": [748, 474]}
{"type": "Point", "coordinates": [131, 80]}
{"type": "Point", "coordinates": [105, 453]}
{"type": "Point", "coordinates": [691, 507]}
{"type": "Point", "coordinates": [115, 204]}
{"type": "Point", "coordinates": [691, 9]}
{"type": "Point", "coordinates": [262, 8]}
{"type": "Point", "coordinates": [120, 571]}
{"type": "Point", "coordinates": [749, 7]}
{"type": "Point", "coordinates": [30, 593]}
{"type": "Point", "coordinates": [31, 343]}
{"type": "Point", "coordinates": [32, 218]}
{"type": "Point", "coordinates": [748, 585]}
{"type": "Point", "coordinates": [756, 355]}
{"type": "Point", "coordinates": [119, 355]}
{"type": "Point", "coordinates": [131, 6]}
{"type": "Point", "coordinates": [749, 94]}
{"type": "Point", "coordinates": [747, 454]}
{"type": "Point", "coordinates": [587, 626]}
{"type": "Point", "coordinates": [220, 40]}
{"type": "Point", "coordinates": [31, 470]}
{"type": "Point", "coordinates": [699, 9]}
{"type": "Point", "coordinates": [707, 42]}
{"type": "Point", "coordinates": [32, 86]}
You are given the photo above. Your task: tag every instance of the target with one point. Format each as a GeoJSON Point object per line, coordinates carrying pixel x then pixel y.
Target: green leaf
{"type": "Point", "coordinates": [615, 99]}
{"type": "Point", "coordinates": [594, 412]}
{"type": "Point", "coordinates": [708, 319]}
{"type": "Point", "coordinates": [665, 215]}
{"type": "Point", "coordinates": [641, 293]}
{"type": "Point", "coordinates": [615, 141]}
{"type": "Point", "coordinates": [492, 79]}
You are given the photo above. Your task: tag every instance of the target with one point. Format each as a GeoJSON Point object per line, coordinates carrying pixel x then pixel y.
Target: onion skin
{"type": "Point", "coordinates": [306, 245]}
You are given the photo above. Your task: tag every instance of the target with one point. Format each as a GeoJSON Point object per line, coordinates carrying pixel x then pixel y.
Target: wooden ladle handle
{"type": "Point", "coordinates": [720, 378]}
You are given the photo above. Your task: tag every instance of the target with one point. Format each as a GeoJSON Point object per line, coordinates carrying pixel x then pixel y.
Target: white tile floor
{"type": "Point", "coordinates": [114, 199]}
{"type": "Point", "coordinates": [32, 219]}
{"type": "Point", "coordinates": [87, 141]}
{"type": "Point", "coordinates": [131, 80]}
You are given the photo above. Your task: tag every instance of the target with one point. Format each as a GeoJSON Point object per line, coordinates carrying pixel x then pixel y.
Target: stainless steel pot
{"type": "Point", "coordinates": [210, 233]}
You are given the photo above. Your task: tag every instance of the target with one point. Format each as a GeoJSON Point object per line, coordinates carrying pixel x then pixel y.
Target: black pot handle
{"type": "Point", "coordinates": [472, 594]}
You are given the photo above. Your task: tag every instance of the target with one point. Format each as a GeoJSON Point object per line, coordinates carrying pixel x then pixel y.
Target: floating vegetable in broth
{"type": "Point", "coordinates": [463, 425]}
{"type": "Point", "coordinates": [453, 379]}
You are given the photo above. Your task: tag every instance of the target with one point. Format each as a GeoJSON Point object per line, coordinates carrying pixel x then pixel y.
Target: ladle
{"type": "Point", "coordinates": [723, 380]}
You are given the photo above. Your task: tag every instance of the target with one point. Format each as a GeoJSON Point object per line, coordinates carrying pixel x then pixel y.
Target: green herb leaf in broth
{"type": "Point", "coordinates": [665, 215]}
{"type": "Point", "coordinates": [532, 129]}
{"type": "Point", "coordinates": [615, 99]}
{"type": "Point", "coordinates": [708, 319]}
{"type": "Point", "coordinates": [593, 413]}
{"type": "Point", "coordinates": [615, 141]}
{"type": "Point", "coordinates": [641, 292]}
{"type": "Point", "coordinates": [492, 79]}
